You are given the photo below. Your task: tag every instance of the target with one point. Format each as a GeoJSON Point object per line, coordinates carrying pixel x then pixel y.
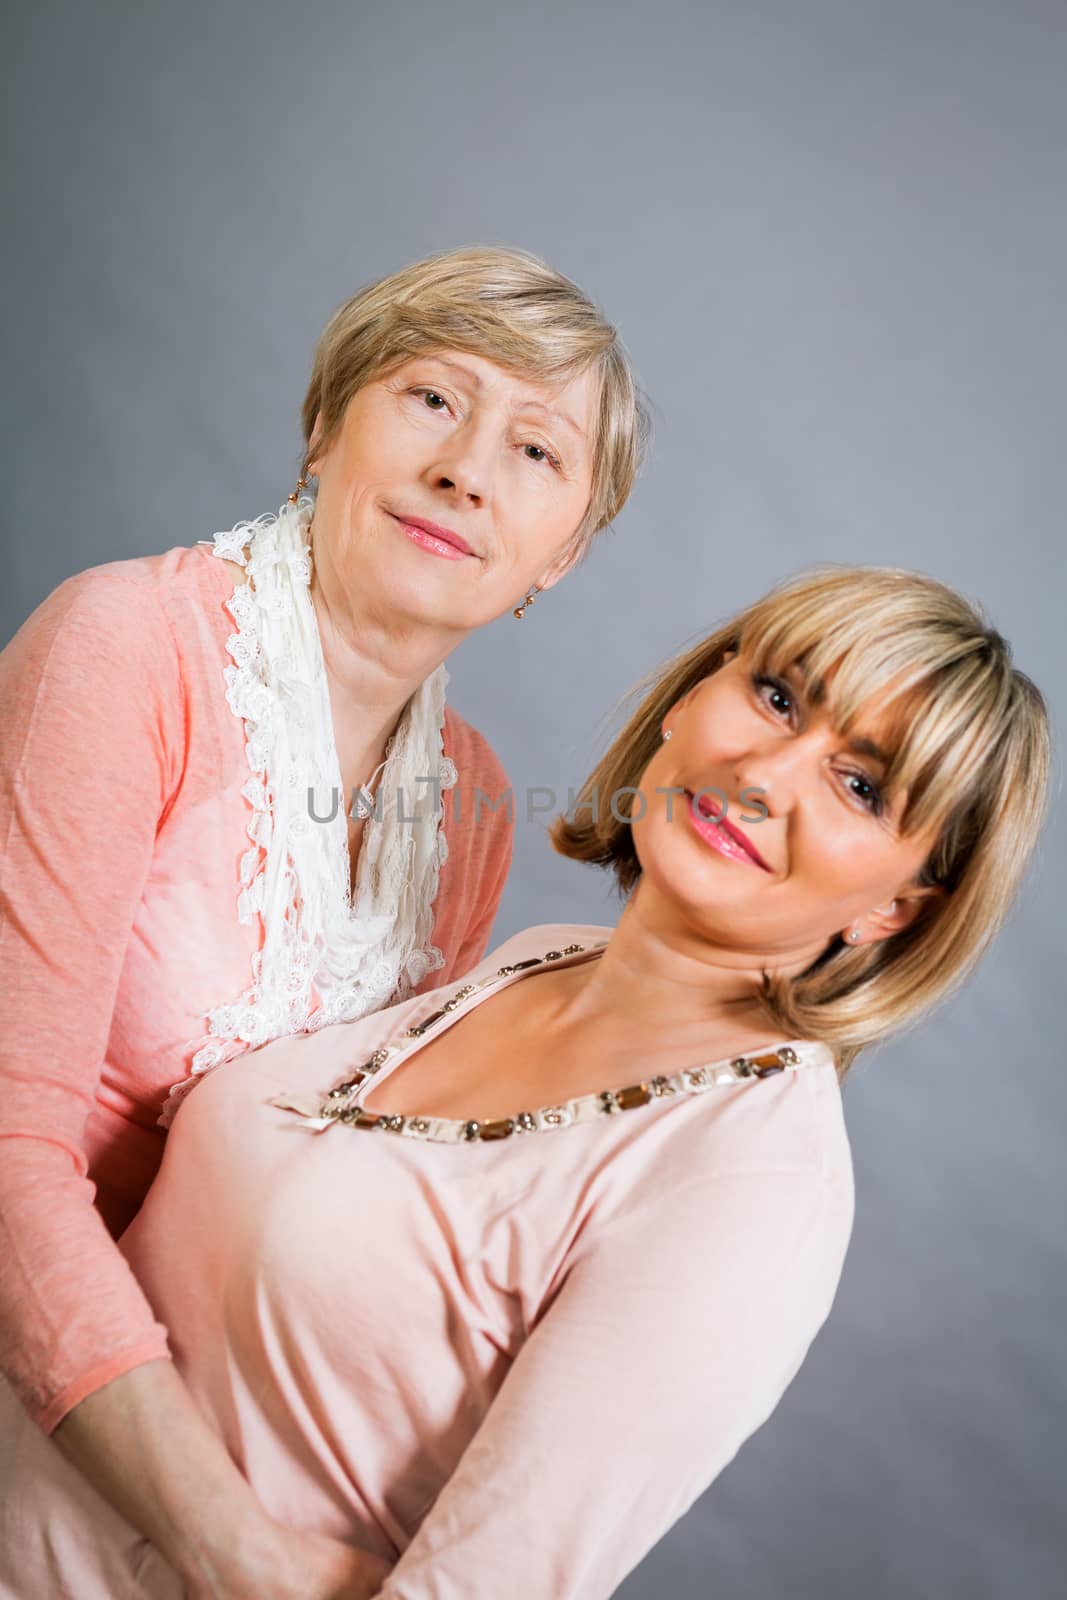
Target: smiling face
{"type": "Point", "coordinates": [827, 858]}
{"type": "Point", "coordinates": [451, 487]}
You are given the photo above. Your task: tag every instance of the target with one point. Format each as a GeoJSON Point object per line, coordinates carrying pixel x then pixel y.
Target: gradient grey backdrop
{"type": "Point", "coordinates": [835, 238]}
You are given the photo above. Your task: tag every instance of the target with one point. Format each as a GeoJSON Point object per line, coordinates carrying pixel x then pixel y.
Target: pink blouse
{"type": "Point", "coordinates": [508, 1366]}
{"type": "Point", "coordinates": [122, 825]}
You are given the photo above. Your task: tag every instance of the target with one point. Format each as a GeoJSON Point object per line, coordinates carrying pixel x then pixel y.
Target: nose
{"type": "Point", "coordinates": [774, 770]}
{"type": "Point", "coordinates": [463, 468]}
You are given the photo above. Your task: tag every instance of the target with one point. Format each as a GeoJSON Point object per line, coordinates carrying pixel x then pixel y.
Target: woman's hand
{"type": "Point", "coordinates": [141, 1441]}
{"type": "Point", "coordinates": [280, 1564]}
{"type": "Point", "coordinates": [324, 1569]}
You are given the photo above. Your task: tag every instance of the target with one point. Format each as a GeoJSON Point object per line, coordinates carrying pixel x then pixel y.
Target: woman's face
{"type": "Point", "coordinates": [453, 486]}
{"type": "Point", "coordinates": [828, 855]}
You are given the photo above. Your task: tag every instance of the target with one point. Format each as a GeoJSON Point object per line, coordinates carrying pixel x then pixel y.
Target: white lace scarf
{"type": "Point", "coordinates": [362, 951]}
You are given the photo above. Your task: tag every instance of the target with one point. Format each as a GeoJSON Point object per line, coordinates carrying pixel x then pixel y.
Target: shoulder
{"type": "Point", "coordinates": [767, 1161]}
{"type": "Point", "coordinates": [785, 1129]}
{"type": "Point", "coordinates": [738, 1204]}
{"type": "Point", "coordinates": [118, 604]}
{"type": "Point", "coordinates": [101, 625]}
{"type": "Point", "coordinates": [541, 940]}
{"type": "Point", "coordinates": [110, 649]}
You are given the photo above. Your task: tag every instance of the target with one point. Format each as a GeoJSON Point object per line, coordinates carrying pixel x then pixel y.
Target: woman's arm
{"type": "Point", "coordinates": [670, 1340]}
{"type": "Point", "coordinates": [146, 1448]}
{"type": "Point", "coordinates": [91, 752]}
{"type": "Point", "coordinates": [91, 746]}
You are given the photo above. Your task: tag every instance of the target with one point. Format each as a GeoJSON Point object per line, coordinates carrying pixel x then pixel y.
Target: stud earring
{"type": "Point", "coordinates": [854, 934]}
{"type": "Point", "coordinates": [667, 734]}
{"type": "Point", "coordinates": [520, 611]}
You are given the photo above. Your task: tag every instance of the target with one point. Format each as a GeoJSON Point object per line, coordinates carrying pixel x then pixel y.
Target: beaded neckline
{"type": "Point", "coordinates": [340, 1104]}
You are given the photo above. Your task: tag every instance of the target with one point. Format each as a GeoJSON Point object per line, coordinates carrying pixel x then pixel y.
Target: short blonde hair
{"type": "Point", "coordinates": [509, 307]}
{"type": "Point", "coordinates": [973, 755]}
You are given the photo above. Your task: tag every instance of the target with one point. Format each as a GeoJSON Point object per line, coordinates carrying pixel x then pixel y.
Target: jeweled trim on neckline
{"type": "Point", "coordinates": [340, 1104]}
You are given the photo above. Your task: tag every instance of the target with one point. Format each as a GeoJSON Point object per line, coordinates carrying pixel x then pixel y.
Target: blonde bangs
{"type": "Point", "coordinates": [886, 640]}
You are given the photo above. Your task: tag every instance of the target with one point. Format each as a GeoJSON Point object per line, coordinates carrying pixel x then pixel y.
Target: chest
{"type": "Point", "coordinates": [511, 1053]}
{"type": "Point", "coordinates": [188, 950]}
{"type": "Point", "coordinates": [353, 773]}
{"type": "Point", "coordinates": [491, 1063]}
{"type": "Point", "coordinates": [506, 1056]}
{"type": "Point", "coordinates": [355, 844]}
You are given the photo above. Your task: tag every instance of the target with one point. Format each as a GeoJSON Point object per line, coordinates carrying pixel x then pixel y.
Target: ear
{"type": "Point", "coordinates": [313, 442]}
{"type": "Point", "coordinates": [682, 701]}
{"type": "Point", "coordinates": [559, 568]}
{"type": "Point", "coordinates": [695, 688]}
{"type": "Point", "coordinates": [896, 914]}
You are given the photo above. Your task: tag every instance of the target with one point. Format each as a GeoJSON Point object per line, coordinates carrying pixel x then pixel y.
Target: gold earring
{"type": "Point", "coordinates": [301, 483]}
{"type": "Point", "coordinates": [520, 611]}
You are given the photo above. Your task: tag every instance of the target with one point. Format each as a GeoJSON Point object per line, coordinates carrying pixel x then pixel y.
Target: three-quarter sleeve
{"type": "Point", "coordinates": [669, 1341]}
{"type": "Point", "coordinates": [91, 738]}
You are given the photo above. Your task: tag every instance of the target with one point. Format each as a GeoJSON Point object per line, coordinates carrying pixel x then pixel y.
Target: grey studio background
{"type": "Point", "coordinates": [834, 236]}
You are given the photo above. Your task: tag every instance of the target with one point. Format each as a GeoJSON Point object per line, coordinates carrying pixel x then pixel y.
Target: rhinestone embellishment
{"type": "Point", "coordinates": [338, 1105]}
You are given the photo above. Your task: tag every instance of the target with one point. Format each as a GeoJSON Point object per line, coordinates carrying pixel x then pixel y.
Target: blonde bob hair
{"type": "Point", "coordinates": [511, 308]}
{"type": "Point", "coordinates": [972, 754]}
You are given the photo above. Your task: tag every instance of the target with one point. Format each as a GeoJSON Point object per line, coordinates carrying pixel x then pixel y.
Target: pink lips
{"type": "Point", "coordinates": [721, 834]}
{"type": "Point", "coordinates": [432, 536]}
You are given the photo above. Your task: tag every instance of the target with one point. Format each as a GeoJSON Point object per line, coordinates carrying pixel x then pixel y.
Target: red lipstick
{"type": "Point", "coordinates": [711, 823]}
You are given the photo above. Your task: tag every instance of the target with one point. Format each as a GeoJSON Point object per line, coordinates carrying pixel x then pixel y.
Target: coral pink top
{"type": "Point", "coordinates": [123, 813]}
{"type": "Point", "coordinates": [508, 1366]}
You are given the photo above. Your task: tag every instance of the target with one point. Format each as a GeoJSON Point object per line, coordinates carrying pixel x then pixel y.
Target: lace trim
{"type": "Point", "coordinates": [326, 954]}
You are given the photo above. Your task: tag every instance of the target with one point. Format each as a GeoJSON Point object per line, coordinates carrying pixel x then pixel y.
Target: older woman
{"type": "Point", "coordinates": [179, 879]}
{"type": "Point", "coordinates": [503, 1363]}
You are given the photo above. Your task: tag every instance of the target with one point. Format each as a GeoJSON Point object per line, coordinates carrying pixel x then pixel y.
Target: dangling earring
{"type": "Point", "coordinates": [303, 482]}
{"type": "Point", "coordinates": [520, 611]}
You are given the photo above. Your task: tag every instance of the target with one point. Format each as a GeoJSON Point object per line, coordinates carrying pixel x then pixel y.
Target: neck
{"type": "Point", "coordinates": [657, 980]}
{"type": "Point", "coordinates": [374, 664]}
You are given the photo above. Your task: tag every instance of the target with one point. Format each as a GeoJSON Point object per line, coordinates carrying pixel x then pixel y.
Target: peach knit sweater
{"type": "Point", "coordinates": [122, 824]}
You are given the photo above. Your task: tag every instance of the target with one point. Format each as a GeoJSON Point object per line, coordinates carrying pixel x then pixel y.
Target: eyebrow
{"type": "Point", "coordinates": [551, 411]}
{"type": "Point", "coordinates": [867, 747]}
{"type": "Point", "coordinates": [529, 404]}
{"type": "Point", "coordinates": [859, 744]}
